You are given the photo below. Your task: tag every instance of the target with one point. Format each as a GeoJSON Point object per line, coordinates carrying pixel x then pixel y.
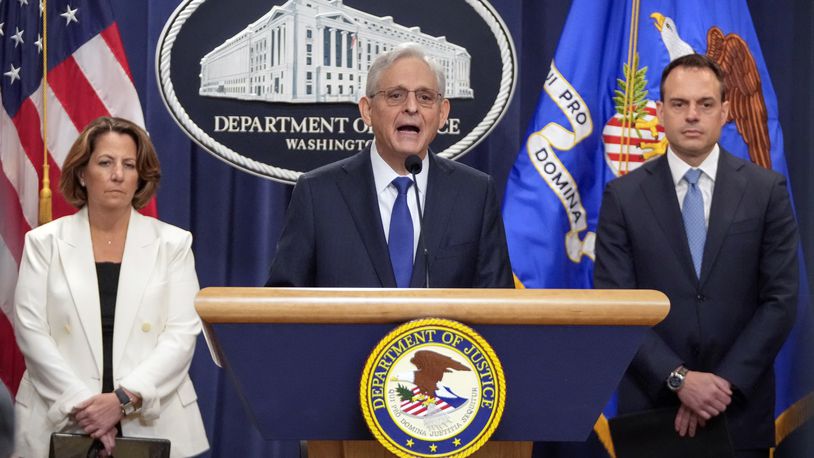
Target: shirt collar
{"type": "Point", "coordinates": [678, 167]}
{"type": "Point", "coordinates": [383, 174]}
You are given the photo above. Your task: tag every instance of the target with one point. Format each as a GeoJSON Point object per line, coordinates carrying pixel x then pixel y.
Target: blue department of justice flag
{"type": "Point", "coordinates": [596, 120]}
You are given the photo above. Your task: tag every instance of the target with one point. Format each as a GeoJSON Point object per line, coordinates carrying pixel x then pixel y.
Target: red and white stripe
{"type": "Point", "coordinates": [95, 81]}
{"type": "Point", "coordinates": [418, 409]}
{"type": "Point", "coordinates": [623, 144]}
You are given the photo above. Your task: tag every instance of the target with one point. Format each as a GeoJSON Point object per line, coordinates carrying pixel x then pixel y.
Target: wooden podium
{"type": "Point", "coordinates": [296, 355]}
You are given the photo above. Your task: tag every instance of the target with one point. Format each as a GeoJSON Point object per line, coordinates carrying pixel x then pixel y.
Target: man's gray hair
{"type": "Point", "coordinates": [386, 60]}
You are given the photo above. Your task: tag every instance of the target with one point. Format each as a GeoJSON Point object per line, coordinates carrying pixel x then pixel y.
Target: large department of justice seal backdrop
{"type": "Point", "coordinates": [433, 388]}
{"type": "Point", "coordinates": [271, 87]}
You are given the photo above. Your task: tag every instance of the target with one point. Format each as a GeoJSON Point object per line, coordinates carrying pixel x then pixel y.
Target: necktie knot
{"type": "Point", "coordinates": [692, 176]}
{"type": "Point", "coordinates": [402, 184]}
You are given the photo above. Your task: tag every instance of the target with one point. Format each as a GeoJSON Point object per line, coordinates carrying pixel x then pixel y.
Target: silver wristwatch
{"type": "Point", "coordinates": [126, 403]}
{"type": "Point", "coordinates": [676, 379]}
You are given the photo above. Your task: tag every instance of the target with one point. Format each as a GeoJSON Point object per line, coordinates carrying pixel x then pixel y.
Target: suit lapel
{"type": "Point", "coordinates": [660, 193]}
{"type": "Point", "coordinates": [729, 189]}
{"type": "Point", "coordinates": [138, 263]}
{"type": "Point", "coordinates": [359, 192]}
{"type": "Point", "coordinates": [437, 207]}
{"type": "Point", "coordinates": [76, 255]}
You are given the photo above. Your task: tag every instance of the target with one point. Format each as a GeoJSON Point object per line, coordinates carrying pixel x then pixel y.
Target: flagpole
{"type": "Point", "coordinates": [45, 193]}
{"type": "Point", "coordinates": [627, 110]}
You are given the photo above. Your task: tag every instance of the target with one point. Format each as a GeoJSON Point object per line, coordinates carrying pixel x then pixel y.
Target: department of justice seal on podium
{"type": "Point", "coordinates": [433, 388]}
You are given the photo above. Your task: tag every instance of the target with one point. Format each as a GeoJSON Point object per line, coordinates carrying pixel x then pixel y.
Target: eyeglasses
{"type": "Point", "coordinates": [398, 95]}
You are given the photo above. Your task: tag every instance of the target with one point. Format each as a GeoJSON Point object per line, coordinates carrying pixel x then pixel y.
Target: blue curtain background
{"type": "Point", "coordinates": [236, 218]}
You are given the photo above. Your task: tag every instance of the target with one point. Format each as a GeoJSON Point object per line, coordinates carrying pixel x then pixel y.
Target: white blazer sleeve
{"type": "Point", "coordinates": [49, 372]}
{"type": "Point", "coordinates": [163, 370]}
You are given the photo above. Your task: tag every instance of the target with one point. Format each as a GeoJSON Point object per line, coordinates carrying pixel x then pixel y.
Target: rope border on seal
{"type": "Point", "coordinates": [178, 18]}
{"type": "Point", "coordinates": [488, 351]}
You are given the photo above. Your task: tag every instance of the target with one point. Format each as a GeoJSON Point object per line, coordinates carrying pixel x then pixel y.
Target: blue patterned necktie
{"type": "Point", "coordinates": [400, 239]}
{"type": "Point", "coordinates": [693, 214]}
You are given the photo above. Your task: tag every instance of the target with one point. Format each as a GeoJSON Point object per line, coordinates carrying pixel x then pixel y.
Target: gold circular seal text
{"type": "Point", "coordinates": [432, 388]}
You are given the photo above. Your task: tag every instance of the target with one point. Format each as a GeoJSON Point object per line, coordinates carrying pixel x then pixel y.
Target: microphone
{"type": "Point", "coordinates": [413, 165]}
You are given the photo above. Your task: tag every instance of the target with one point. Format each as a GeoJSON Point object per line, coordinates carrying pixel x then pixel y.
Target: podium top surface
{"type": "Point", "coordinates": [476, 306]}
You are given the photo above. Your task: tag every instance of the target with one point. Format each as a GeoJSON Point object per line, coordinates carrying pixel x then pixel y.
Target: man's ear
{"type": "Point", "coordinates": [364, 109]}
{"type": "Point", "coordinates": [444, 112]}
{"type": "Point", "coordinates": [725, 107]}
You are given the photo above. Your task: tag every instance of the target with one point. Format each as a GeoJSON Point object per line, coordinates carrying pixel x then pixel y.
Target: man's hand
{"type": "Point", "coordinates": [108, 439]}
{"type": "Point", "coordinates": [687, 422]}
{"type": "Point", "coordinates": [704, 394]}
{"type": "Point", "coordinates": [98, 414]}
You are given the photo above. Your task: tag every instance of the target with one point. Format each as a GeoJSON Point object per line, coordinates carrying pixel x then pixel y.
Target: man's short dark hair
{"type": "Point", "coordinates": [694, 61]}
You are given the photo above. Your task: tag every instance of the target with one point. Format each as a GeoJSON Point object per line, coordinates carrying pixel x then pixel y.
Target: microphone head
{"type": "Point", "coordinates": [413, 164]}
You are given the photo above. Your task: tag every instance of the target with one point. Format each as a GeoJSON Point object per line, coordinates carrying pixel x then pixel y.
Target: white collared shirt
{"type": "Point", "coordinates": [386, 193]}
{"type": "Point", "coordinates": [706, 182]}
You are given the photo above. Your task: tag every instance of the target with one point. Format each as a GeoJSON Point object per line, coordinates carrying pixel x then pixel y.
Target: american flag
{"type": "Point", "coordinates": [88, 76]}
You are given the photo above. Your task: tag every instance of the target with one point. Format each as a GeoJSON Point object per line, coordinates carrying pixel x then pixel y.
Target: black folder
{"type": "Point", "coordinates": [652, 433]}
{"type": "Point", "coordinates": [65, 445]}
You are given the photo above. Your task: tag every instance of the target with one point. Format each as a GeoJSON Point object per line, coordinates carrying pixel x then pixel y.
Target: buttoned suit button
{"type": "Point", "coordinates": [700, 298]}
{"type": "Point", "coordinates": [67, 328]}
{"type": "Point", "coordinates": [145, 327]}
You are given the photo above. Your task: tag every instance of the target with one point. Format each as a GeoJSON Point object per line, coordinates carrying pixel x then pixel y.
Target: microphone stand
{"type": "Point", "coordinates": [414, 166]}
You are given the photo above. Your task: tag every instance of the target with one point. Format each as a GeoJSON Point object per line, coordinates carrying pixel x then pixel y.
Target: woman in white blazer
{"type": "Point", "coordinates": [104, 307]}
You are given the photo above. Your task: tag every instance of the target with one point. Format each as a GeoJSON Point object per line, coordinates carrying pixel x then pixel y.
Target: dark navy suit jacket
{"type": "Point", "coordinates": [333, 235]}
{"type": "Point", "coordinates": [734, 319]}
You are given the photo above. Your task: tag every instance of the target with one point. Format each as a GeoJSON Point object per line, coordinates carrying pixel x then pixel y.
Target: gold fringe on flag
{"type": "Point", "coordinates": [602, 430]}
{"type": "Point", "coordinates": [45, 193]}
{"type": "Point", "coordinates": [793, 417]}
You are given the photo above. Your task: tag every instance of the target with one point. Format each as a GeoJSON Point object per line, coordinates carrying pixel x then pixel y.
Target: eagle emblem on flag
{"type": "Point", "coordinates": [634, 135]}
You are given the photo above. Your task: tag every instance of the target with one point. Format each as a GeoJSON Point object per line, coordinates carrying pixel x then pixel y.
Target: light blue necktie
{"type": "Point", "coordinates": [400, 238]}
{"type": "Point", "coordinates": [693, 214]}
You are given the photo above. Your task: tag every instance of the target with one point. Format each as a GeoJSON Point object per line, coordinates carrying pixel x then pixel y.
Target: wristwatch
{"type": "Point", "coordinates": [676, 379]}
{"type": "Point", "coordinates": [127, 404]}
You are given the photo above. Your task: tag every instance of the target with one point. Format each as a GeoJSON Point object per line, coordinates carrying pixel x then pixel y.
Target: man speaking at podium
{"type": "Point", "coordinates": [357, 222]}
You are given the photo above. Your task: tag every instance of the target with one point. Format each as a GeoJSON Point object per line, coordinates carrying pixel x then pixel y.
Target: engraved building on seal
{"type": "Point", "coordinates": [312, 51]}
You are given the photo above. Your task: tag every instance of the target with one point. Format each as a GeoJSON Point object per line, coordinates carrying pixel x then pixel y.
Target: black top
{"type": "Point", "coordinates": [108, 275]}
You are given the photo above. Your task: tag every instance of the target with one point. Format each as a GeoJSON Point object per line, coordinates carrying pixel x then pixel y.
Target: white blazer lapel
{"type": "Point", "coordinates": [138, 263]}
{"type": "Point", "coordinates": [76, 255]}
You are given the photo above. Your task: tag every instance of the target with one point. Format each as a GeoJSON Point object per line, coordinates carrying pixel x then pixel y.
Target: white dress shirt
{"type": "Point", "coordinates": [706, 182]}
{"type": "Point", "coordinates": [383, 176]}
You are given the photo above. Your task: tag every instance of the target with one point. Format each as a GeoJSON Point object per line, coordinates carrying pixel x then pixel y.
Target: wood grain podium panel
{"type": "Point", "coordinates": [372, 449]}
